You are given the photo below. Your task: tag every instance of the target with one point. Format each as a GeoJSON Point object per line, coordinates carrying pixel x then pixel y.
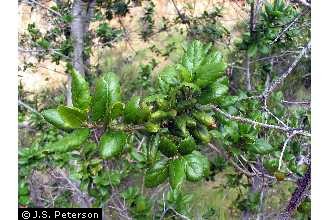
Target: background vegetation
{"type": "Point", "coordinates": [239, 69]}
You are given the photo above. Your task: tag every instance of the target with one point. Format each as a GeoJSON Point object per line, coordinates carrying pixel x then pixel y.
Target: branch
{"type": "Point", "coordinates": [302, 2]}
{"type": "Point", "coordinates": [287, 27]}
{"type": "Point", "coordinates": [301, 192]}
{"type": "Point", "coordinates": [29, 108]}
{"type": "Point", "coordinates": [290, 136]}
{"type": "Point", "coordinates": [236, 166]}
{"type": "Point", "coordinates": [260, 124]}
{"type": "Point", "coordinates": [31, 2]}
{"type": "Point", "coordinates": [280, 80]}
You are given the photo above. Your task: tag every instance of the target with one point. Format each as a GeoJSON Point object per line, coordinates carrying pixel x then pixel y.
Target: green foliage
{"type": "Point", "coordinates": [80, 91]}
{"type": "Point", "coordinates": [112, 144]}
{"type": "Point", "coordinates": [157, 174]}
{"type": "Point", "coordinates": [69, 142]}
{"type": "Point", "coordinates": [72, 116]}
{"type": "Point", "coordinates": [177, 168]}
{"type": "Point", "coordinates": [54, 117]}
{"type": "Point", "coordinates": [107, 93]}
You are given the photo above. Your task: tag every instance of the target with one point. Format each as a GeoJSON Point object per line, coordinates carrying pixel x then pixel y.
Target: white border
{"type": "Point", "coordinates": [8, 114]}
{"type": "Point", "coordinates": [320, 109]}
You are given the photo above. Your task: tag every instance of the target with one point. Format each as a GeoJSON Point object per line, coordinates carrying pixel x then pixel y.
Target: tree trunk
{"type": "Point", "coordinates": [82, 11]}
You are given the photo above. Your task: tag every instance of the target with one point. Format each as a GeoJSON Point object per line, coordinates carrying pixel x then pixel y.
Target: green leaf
{"type": "Point", "coordinates": [185, 75]}
{"type": "Point", "coordinates": [177, 174]}
{"type": "Point", "coordinates": [194, 167]}
{"type": "Point", "coordinates": [167, 147]}
{"type": "Point", "coordinates": [112, 144]}
{"type": "Point", "coordinates": [261, 146]}
{"type": "Point", "coordinates": [157, 174]}
{"type": "Point", "coordinates": [107, 92]}
{"type": "Point", "coordinates": [117, 110]}
{"type": "Point", "coordinates": [167, 78]}
{"type": "Point", "coordinates": [202, 134]}
{"type": "Point", "coordinates": [74, 117]}
{"type": "Point", "coordinates": [209, 73]}
{"type": "Point", "coordinates": [53, 117]}
{"type": "Point", "coordinates": [152, 127]}
{"type": "Point", "coordinates": [43, 43]}
{"type": "Point", "coordinates": [81, 97]}
{"type": "Point", "coordinates": [24, 200]}
{"type": "Point", "coordinates": [205, 162]}
{"type": "Point", "coordinates": [213, 58]}
{"type": "Point", "coordinates": [205, 118]}
{"type": "Point", "coordinates": [187, 145]}
{"type": "Point", "coordinates": [69, 142]}
{"type": "Point", "coordinates": [252, 51]}
{"type": "Point", "coordinates": [214, 93]}
{"type": "Point", "coordinates": [194, 56]}
{"type": "Point", "coordinates": [133, 112]}
{"type": "Point", "coordinates": [181, 124]}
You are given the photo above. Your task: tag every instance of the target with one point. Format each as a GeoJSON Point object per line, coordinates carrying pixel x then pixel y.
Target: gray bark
{"type": "Point", "coordinates": [82, 11]}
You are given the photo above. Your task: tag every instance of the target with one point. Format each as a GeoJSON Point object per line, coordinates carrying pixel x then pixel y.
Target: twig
{"type": "Point", "coordinates": [280, 80]}
{"type": "Point", "coordinates": [302, 2]}
{"type": "Point", "coordinates": [31, 2]}
{"type": "Point", "coordinates": [29, 108]}
{"type": "Point", "coordinates": [236, 166]}
{"type": "Point", "coordinates": [296, 102]}
{"type": "Point", "coordinates": [287, 27]}
{"type": "Point", "coordinates": [260, 124]}
{"type": "Point", "coordinates": [290, 136]}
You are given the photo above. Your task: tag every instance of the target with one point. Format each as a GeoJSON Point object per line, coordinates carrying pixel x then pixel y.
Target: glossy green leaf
{"type": "Point", "coordinates": [185, 75]}
{"type": "Point", "coordinates": [209, 73]}
{"type": "Point", "coordinates": [205, 162]}
{"type": "Point", "coordinates": [133, 112]}
{"type": "Point", "coordinates": [213, 57]}
{"type": "Point", "coordinates": [107, 92]}
{"type": "Point", "coordinates": [214, 93]}
{"type": "Point", "coordinates": [117, 110]}
{"type": "Point", "coordinates": [157, 174]}
{"type": "Point", "coordinates": [194, 56]}
{"type": "Point", "coordinates": [202, 134]}
{"type": "Point", "coordinates": [72, 116]}
{"type": "Point", "coordinates": [177, 173]}
{"type": "Point", "coordinates": [70, 141]}
{"type": "Point", "coordinates": [260, 146]}
{"type": "Point", "coordinates": [205, 118]}
{"type": "Point", "coordinates": [80, 91]}
{"type": "Point", "coordinates": [194, 167]}
{"type": "Point", "coordinates": [152, 127]}
{"type": "Point", "coordinates": [53, 117]}
{"type": "Point", "coordinates": [168, 78]}
{"type": "Point", "coordinates": [112, 144]}
{"type": "Point", "coordinates": [187, 145]}
{"type": "Point", "coordinates": [167, 147]}
{"type": "Point", "coordinates": [181, 124]}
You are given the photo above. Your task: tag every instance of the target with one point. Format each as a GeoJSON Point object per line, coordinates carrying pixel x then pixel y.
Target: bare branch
{"type": "Point", "coordinates": [260, 124]}
{"type": "Point", "coordinates": [23, 104]}
{"type": "Point", "coordinates": [280, 80]}
{"type": "Point", "coordinates": [32, 2]}
{"type": "Point", "coordinates": [302, 2]}
{"type": "Point", "coordinates": [290, 136]}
